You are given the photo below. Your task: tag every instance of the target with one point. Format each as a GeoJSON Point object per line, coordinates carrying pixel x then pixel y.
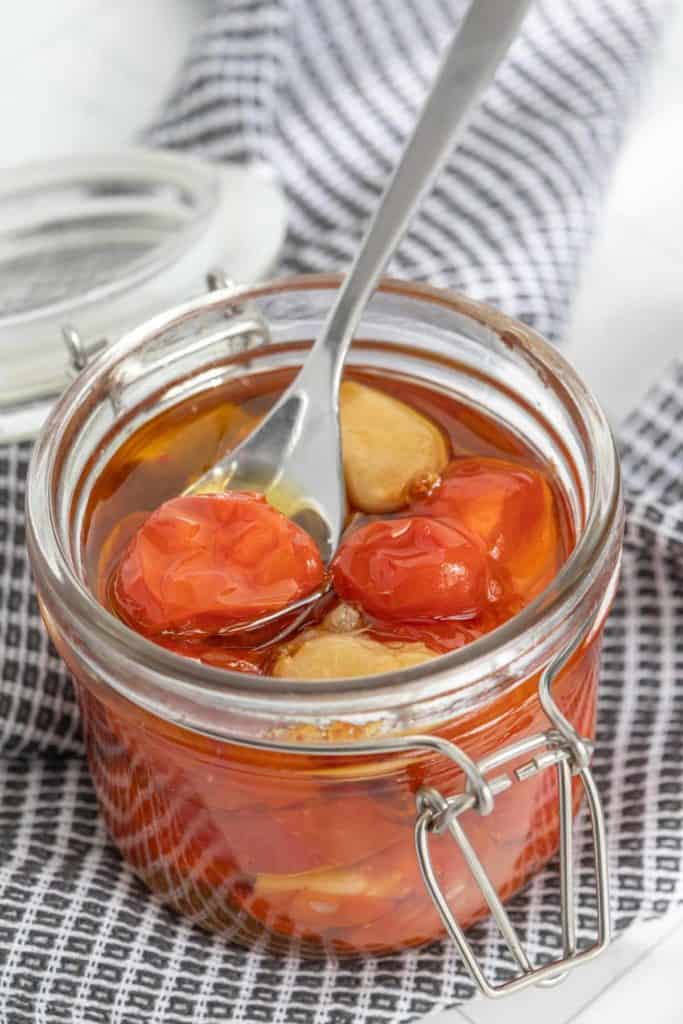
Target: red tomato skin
{"type": "Point", "coordinates": [413, 569]}
{"type": "Point", "coordinates": [511, 507]}
{"type": "Point", "coordinates": [206, 561]}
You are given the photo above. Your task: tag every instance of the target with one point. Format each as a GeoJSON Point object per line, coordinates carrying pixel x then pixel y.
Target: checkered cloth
{"type": "Point", "coordinates": [326, 92]}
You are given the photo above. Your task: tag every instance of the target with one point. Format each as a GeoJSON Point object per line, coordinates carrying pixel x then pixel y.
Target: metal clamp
{"type": "Point", "coordinates": [79, 353]}
{"type": "Point", "coordinates": [560, 748]}
{"type": "Point", "coordinates": [251, 324]}
{"type": "Point", "coordinates": [563, 749]}
{"type": "Point", "coordinates": [248, 330]}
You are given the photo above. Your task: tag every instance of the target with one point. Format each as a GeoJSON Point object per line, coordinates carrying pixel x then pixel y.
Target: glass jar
{"type": "Point", "coordinates": [289, 812]}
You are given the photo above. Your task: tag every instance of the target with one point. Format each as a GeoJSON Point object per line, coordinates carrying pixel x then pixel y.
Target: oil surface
{"type": "Point", "coordinates": [175, 447]}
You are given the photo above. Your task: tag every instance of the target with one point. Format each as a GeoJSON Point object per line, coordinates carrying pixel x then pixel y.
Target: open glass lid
{"type": "Point", "coordinates": [98, 244]}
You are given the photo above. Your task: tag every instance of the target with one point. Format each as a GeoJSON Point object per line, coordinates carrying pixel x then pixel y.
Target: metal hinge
{"type": "Point", "coordinates": [564, 750]}
{"type": "Point", "coordinates": [248, 330]}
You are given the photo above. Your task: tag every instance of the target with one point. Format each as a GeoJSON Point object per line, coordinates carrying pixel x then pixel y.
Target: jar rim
{"type": "Point", "coordinates": [206, 686]}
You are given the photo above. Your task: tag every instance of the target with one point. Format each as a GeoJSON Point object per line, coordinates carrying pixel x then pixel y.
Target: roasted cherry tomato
{"type": "Point", "coordinates": [415, 568]}
{"type": "Point", "coordinates": [203, 562]}
{"type": "Point", "coordinates": [511, 507]}
{"type": "Point", "coordinates": [212, 651]}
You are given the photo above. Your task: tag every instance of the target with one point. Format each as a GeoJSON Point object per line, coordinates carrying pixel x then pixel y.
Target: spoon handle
{"type": "Point", "coordinates": [467, 67]}
{"type": "Point", "coordinates": [298, 442]}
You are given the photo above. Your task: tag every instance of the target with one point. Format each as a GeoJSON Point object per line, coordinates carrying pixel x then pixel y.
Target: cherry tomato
{"type": "Point", "coordinates": [511, 507]}
{"type": "Point", "coordinates": [203, 562]}
{"type": "Point", "coordinates": [325, 827]}
{"type": "Point", "coordinates": [259, 842]}
{"type": "Point", "coordinates": [449, 634]}
{"type": "Point", "coordinates": [440, 635]}
{"type": "Point", "coordinates": [415, 568]}
{"type": "Point", "coordinates": [211, 651]}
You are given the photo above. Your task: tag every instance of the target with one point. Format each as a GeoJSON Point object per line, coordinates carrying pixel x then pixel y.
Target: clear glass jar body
{"type": "Point", "coordinates": [315, 846]}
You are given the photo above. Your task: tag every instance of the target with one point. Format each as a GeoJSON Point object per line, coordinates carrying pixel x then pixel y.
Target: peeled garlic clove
{"type": "Point", "coordinates": [387, 874]}
{"type": "Point", "coordinates": [386, 446]}
{"type": "Point", "coordinates": [323, 882]}
{"type": "Point", "coordinates": [324, 655]}
{"type": "Point", "coordinates": [345, 618]}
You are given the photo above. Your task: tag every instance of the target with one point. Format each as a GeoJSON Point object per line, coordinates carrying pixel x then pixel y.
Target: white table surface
{"type": "Point", "coordinates": [87, 74]}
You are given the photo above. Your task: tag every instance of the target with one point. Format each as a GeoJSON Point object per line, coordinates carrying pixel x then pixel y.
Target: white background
{"type": "Point", "coordinates": [87, 74]}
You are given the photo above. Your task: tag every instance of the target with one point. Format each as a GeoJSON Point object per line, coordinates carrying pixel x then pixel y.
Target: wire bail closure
{"type": "Point", "coordinates": [246, 328]}
{"type": "Point", "coordinates": [560, 748]}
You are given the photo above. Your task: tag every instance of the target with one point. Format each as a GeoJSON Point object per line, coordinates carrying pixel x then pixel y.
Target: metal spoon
{"type": "Point", "coordinates": [295, 453]}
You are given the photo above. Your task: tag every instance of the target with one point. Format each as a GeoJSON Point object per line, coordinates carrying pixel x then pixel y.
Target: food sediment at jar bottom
{"type": "Point", "coordinates": [454, 525]}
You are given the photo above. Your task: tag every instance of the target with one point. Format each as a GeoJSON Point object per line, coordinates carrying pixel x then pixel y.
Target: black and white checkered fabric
{"type": "Point", "coordinates": [325, 93]}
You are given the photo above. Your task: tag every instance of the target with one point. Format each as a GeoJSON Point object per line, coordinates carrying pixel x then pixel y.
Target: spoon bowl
{"type": "Point", "coordinates": [294, 458]}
